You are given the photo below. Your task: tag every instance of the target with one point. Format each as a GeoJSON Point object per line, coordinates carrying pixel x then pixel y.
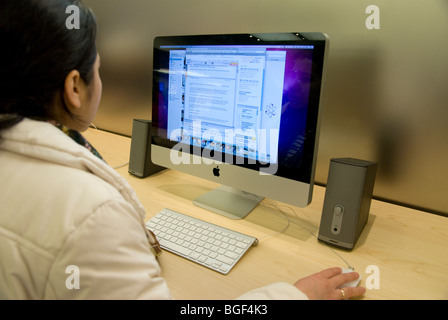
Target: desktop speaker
{"type": "Point", "coordinates": [347, 201]}
{"type": "Point", "coordinates": [140, 163]}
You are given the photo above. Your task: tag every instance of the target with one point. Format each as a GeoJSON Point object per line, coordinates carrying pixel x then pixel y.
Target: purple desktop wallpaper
{"type": "Point", "coordinates": [296, 88]}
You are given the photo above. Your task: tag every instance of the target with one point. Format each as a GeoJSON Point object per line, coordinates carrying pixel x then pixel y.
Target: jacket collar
{"type": "Point", "coordinates": [42, 140]}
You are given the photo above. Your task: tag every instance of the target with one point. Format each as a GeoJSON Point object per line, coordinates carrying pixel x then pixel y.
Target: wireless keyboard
{"type": "Point", "coordinates": [205, 243]}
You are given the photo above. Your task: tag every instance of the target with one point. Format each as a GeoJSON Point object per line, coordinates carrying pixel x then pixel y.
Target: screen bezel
{"type": "Point", "coordinates": [303, 173]}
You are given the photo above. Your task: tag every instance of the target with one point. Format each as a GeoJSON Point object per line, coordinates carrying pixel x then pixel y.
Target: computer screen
{"type": "Point", "coordinates": [242, 110]}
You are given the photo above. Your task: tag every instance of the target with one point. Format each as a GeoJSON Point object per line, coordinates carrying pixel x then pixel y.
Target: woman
{"type": "Point", "coordinates": [63, 209]}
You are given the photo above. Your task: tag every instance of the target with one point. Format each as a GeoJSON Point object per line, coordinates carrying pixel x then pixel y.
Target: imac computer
{"type": "Point", "coordinates": [242, 110]}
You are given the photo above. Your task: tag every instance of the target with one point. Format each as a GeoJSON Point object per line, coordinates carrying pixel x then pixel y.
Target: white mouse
{"type": "Point", "coordinates": [353, 283]}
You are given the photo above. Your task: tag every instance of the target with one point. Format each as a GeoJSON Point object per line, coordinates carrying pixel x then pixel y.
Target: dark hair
{"type": "Point", "coordinates": [38, 52]}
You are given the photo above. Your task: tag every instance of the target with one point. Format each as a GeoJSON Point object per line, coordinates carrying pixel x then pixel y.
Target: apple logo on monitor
{"type": "Point", "coordinates": [216, 171]}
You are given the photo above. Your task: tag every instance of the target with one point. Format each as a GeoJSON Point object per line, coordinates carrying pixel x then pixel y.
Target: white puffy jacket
{"type": "Point", "coordinates": [61, 206]}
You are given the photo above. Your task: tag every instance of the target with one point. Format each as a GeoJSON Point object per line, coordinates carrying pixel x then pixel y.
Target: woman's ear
{"type": "Point", "coordinates": [73, 91]}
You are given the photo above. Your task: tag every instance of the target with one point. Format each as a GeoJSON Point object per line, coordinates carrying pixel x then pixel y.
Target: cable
{"type": "Point", "coordinates": [121, 165]}
{"type": "Point", "coordinates": [281, 231]}
{"type": "Point", "coordinates": [116, 167]}
{"type": "Point", "coordinates": [285, 216]}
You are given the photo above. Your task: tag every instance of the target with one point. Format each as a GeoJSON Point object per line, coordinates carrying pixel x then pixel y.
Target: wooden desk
{"type": "Point", "coordinates": [408, 247]}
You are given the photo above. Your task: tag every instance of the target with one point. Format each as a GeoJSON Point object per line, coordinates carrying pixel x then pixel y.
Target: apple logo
{"type": "Point", "coordinates": [216, 171]}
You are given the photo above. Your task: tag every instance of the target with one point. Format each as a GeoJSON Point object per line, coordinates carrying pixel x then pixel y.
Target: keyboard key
{"type": "Point", "coordinates": [175, 247]}
{"type": "Point", "coordinates": [204, 243]}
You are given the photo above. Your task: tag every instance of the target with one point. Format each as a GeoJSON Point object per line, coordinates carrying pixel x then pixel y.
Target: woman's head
{"type": "Point", "coordinates": [47, 71]}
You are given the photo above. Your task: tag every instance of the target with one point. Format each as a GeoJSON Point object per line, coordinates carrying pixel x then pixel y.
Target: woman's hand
{"type": "Point", "coordinates": [323, 285]}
